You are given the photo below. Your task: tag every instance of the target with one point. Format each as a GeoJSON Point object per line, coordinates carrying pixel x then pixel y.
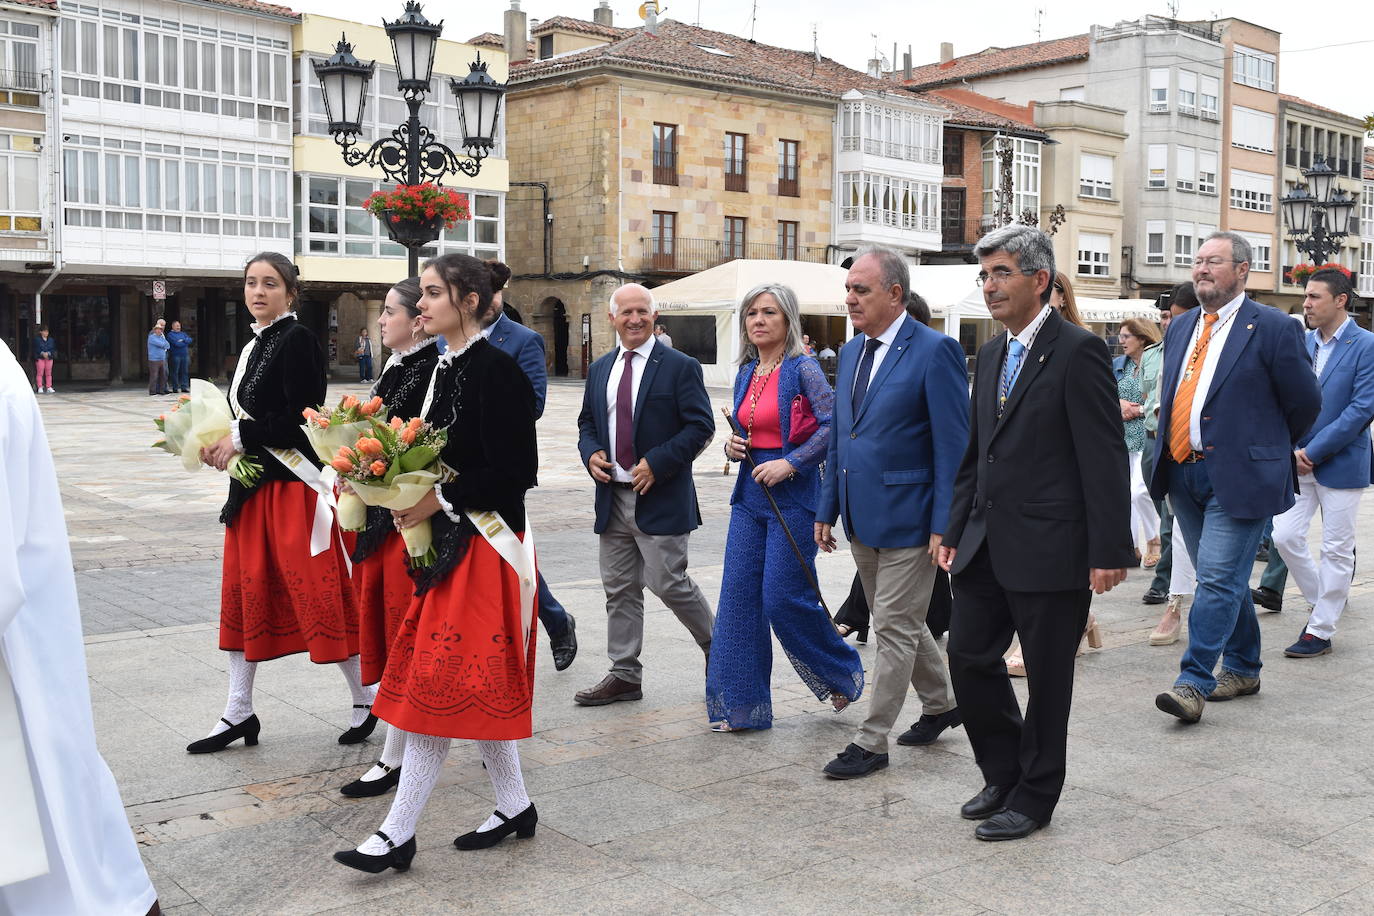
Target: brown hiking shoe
{"type": "Point", "coordinates": [1231, 685]}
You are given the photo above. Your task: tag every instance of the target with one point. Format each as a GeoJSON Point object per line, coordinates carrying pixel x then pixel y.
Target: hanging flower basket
{"type": "Point", "coordinates": [1298, 275]}
{"type": "Point", "coordinates": [415, 215]}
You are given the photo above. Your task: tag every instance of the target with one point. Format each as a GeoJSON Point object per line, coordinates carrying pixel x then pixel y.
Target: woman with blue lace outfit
{"type": "Point", "coordinates": [783, 405]}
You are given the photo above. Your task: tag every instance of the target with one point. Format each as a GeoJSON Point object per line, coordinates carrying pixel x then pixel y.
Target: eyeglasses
{"type": "Point", "coordinates": [1001, 274]}
{"type": "Point", "coordinates": [1214, 261]}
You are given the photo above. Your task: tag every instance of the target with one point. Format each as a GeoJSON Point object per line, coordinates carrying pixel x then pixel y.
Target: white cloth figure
{"type": "Point", "coordinates": [93, 862]}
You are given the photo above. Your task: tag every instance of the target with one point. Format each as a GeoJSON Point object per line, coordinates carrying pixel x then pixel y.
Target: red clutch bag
{"type": "Point", "coordinates": [803, 421]}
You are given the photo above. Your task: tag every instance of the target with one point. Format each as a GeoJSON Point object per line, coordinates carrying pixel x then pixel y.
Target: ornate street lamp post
{"type": "Point", "coordinates": [411, 154]}
{"type": "Point", "coordinates": [1318, 215]}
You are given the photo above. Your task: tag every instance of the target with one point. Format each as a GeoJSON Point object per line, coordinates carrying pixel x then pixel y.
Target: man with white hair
{"type": "Point", "coordinates": [645, 417]}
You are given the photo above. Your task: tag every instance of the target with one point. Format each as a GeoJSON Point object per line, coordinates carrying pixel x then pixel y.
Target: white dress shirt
{"type": "Point", "coordinates": [1325, 347]}
{"type": "Point", "coordinates": [637, 364]}
{"type": "Point", "coordinates": [885, 340]}
{"type": "Point", "coordinates": [1221, 329]}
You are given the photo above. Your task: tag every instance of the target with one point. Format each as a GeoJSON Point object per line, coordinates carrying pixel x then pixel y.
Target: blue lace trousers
{"type": "Point", "coordinates": [763, 585]}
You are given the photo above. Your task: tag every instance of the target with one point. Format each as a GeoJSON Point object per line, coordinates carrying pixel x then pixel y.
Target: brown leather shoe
{"type": "Point", "coordinates": [611, 690]}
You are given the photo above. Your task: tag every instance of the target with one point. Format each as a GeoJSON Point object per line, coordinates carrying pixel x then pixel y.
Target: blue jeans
{"type": "Point", "coordinates": [364, 368]}
{"type": "Point", "coordinates": [1222, 622]}
{"type": "Point", "coordinates": [551, 613]}
{"type": "Point", "coordinates": [179, 368]}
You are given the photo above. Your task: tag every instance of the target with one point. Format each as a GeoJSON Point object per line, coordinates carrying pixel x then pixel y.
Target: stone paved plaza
{"type": "Point", "coordinates": [1265, 806]}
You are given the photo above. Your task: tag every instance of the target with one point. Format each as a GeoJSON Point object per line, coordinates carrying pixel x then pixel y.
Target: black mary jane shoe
{"type": "Point", "coordinates": [397, 857]}
{"type": "Point", "coordinates": [247, 730]}
{"type": "Point", "coordinates": [359, 733]}
{"type": "Point", "coordinates": [360, 788]}
{"type": "Point", "coordinates": [522, 825]}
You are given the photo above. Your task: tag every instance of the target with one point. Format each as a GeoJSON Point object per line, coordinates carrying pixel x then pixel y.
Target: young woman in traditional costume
{"type": "Point", "coordinates": [462, 662]}
{"type": "Point", "coordinates": [286, 587]}
{"type": "Point", "coordinates": [380, 580]}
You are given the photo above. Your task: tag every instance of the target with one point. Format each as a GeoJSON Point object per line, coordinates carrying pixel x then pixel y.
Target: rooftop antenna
{"type": "Point", "coordinates": [1173, 9]}
{"type": "Point", "coordinates": [753, 18]}
{"type": "Point", "coordinates": [1039, 22]}
{"type": "Point", "coordinates": [698, 22]}
{"type": "Point", "coordinates": [815, 43]}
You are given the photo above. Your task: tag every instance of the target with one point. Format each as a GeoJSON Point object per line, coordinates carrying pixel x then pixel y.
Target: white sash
{"type": "Point", "coordinates": [22, 853]}
{"type": "Point", "coordinates": [519, 554]}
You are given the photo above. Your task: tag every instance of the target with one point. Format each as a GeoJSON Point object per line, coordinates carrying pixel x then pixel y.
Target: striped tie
{"type": "Point", "coordinates": [1181, 415]}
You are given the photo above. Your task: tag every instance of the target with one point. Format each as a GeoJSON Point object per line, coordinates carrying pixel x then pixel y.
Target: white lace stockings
{"type": "Point", "coordinates": [239, 706]}
{"type": "Point", "coordinates": [420, 768]}
{"type": "Point", "coordinates": [392, 751]}
{"type": "Point", "coordinates": [362, 696]}
{"type": "Point", "coordinates": [502, 761]}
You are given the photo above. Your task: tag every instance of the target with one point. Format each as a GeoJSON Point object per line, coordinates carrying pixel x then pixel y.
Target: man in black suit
{"type": "Point", "coordinates": [1040, 520]}
{"type": "Point", "coordinates": [645, 417]}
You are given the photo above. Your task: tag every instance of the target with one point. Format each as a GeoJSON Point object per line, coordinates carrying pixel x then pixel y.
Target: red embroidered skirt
{"type": "Point", "coordinates": [384, 590]}
{"type": "Point", "coordinates": [456, 668]}
{"type": "Point", "coordinates": [276, 599]}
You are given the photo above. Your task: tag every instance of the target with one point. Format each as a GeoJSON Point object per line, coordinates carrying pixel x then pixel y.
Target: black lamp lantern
{"type": "Point", "coordinates": [343, 81]}
{"type": "Point", "coordinates": [479, 106]}
{"type": "Point", "coordinates": [1297, 210]}
{"type": "Point", "coordinates": [1319, 219]}
{"type": "Point", "coordinates": [413, 41]}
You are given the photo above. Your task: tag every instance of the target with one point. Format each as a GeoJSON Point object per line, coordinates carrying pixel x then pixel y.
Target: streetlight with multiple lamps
{"type": "Point", "coordinates": [411, 154]}
{"type": "Point", "coordinates": [1318, 214]}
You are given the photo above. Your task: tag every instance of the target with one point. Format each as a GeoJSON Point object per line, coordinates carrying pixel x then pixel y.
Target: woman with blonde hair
{"type": "Point", "coordinates": [1062, 298]}
{"type": "Point", "coordinates": [1134, 385]}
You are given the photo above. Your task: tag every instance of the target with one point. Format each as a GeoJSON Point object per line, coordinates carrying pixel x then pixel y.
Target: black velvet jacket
{"type": "Point", "coordinates": [485, 401]}
{"type": "Point", "coordinates": [402, 389]}
{"type": "Point", "coordinates": [285, 374]}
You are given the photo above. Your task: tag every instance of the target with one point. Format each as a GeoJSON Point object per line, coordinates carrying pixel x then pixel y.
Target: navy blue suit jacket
{"type": "Point", "coordinates": [1338, 443]}
{"type": "Point", "coordinates": [672, 424]}
{"type": "Point", "coordinates": [526, 347]}
{"type": "Point", "coordinates": [1262, 400]}
{"type": "Point", "coordinates": [891, 467]}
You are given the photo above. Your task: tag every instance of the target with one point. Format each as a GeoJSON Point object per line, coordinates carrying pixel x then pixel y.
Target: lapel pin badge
{"type": "Point", "coordinates": [1249, 327]}
{"type": "Point", "coordinates": [1042, 357]}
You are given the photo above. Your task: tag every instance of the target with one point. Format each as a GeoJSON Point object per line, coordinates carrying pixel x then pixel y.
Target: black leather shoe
{"type": "Point", "coordinates": [522, 825]}
{"type": "Point", "coordinates": [1153, 596]}
{"type": "Point", "coordinates": [247, 730]}
{"type": "Point", "coordinates": [1267, 598]}
{"type": "Point", "coordinates": [358, 734]}
{"type": "Point", "coordinates": [359, 788]}
{"type": "Point", "coordinates": [1006, 825]}
{"type": "Point", "coordinates": [397, 857]}
{"type": "Point", "coordinates": [986, 803]}
{"type": "Point", "coordinates": [564, 648]}
{"type": "Point", "coordinates": [927, 728]}
{"type": "Point", "coordinates": [854, 762]}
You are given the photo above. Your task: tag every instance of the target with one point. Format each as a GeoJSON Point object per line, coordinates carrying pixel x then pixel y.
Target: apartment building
{"type": "Point", "coordinates": [1312, 133]}
{"type": "Point", "coordinates": [28, 208]}
{"type": "Point", "coordinates": [175, 169]}
{"type": "Point", "coordinates": [1165, 78]}
{"type": "Point", "coordinates": [346, 259]}
{"type": "Point", "coordinates": [670, 149]}
{"type": "Point", "coordinates": [1365, 279]}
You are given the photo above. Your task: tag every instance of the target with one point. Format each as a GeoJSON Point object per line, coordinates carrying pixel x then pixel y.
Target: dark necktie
{"type": "Point", "coordinates": [861, 377]}
{"type": "Point", "coordinates": [625, 415]}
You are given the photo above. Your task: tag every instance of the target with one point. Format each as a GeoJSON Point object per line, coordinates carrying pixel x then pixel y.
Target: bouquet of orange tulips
{"type": "Point", "coordinates": [393, 465]}
{"type": "Point", "coordinates": [331, 430]}
{"type": "Point", "coordinates": [198, 420]}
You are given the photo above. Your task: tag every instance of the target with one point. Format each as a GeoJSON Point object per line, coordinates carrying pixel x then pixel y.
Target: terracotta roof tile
{"type": "Point", "coordinates": [1000, 60]}
{"type": "Point", "coordinates": [494, 40]}
{"type": "Point", "coordinates": [40, 4]}
{"type": "Point", "coordinates": [582, 26]}
{"type": "Point", "coordinates": [714, 56]}
{"type": "Point", "coordinates": [254, 6]}
{"type": "Point", "coordinates": [1295, 100]}
{"type": "Point", "coordinates": [973, 109]}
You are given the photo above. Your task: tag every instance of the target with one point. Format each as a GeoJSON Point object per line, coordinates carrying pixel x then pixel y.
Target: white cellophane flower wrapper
{"type": "Point", "coordinates": [404, 492]}
{"type": "Point", "coordinates": [352, 511]}
{"type": "Point", "coordinates": [327, 442]}
{"type": "Point", "coordinates": [199, 423]}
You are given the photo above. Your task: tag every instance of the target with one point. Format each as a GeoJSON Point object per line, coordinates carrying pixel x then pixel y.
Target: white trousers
{"type": "Point", "coordinates": [1325, 584]}
{"type": "Point", "coordinates": [1182, 574]}
{"type": "Point", "coordinates": [1144, 518]}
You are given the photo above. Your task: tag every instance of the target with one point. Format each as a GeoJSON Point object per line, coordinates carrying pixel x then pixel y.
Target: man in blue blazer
{"type": "Point", "coordinates": [645, 417]}
{"type": "Point", "coordinates": [899, 429]}
{"type": "Point", "coordinates": [1236, 398]}
{"type": "Point", "coordinates": [1333, 460]}
{"type": "Point", "coordinates": [527, 348]}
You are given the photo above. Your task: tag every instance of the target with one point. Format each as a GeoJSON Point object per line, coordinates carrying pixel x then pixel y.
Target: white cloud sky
{"type": "Point", "coordinates": [1326, 47]}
